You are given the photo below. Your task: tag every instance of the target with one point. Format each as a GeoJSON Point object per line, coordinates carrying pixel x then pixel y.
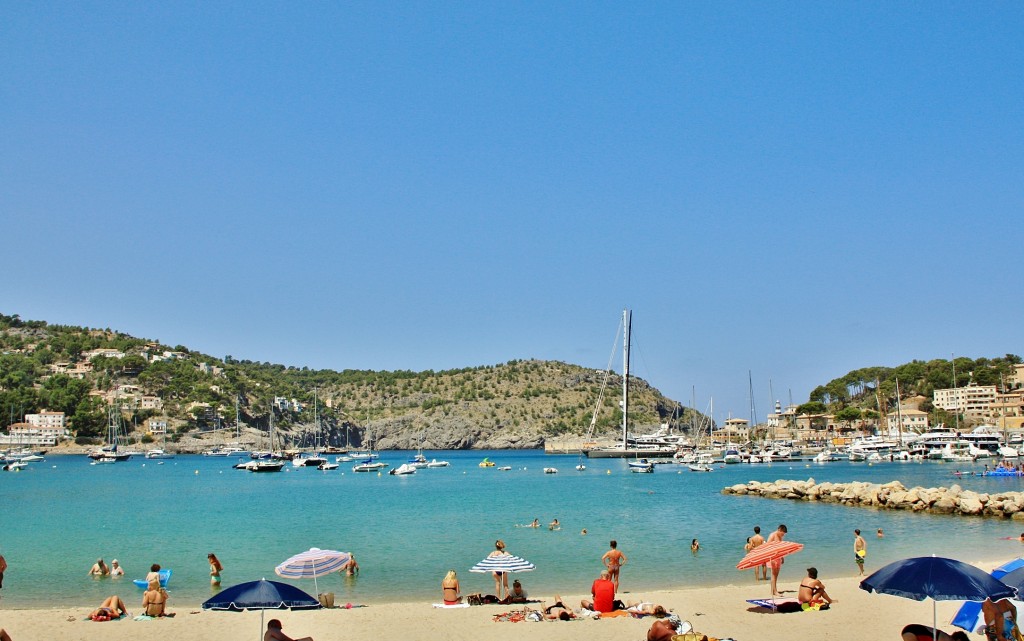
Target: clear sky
{"type": "Point", "coordinates": [796, 189]}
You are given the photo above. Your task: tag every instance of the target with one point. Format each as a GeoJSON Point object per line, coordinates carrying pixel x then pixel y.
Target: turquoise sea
{"type": "Point", "coordinates": [407, 531]}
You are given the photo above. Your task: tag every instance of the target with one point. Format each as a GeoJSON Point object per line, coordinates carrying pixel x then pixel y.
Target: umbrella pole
{"type": "Point", "coordinates": [261, 623]}
{"type": "Point", "coordinates": [316, 588]}
{"type": "Point", "coordinates": [935, 622]}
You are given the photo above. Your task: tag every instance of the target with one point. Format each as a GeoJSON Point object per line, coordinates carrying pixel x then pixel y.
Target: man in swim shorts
{"type": "Point", "coordinates": [860, 550]}
{"type": "Point", "coordinates": [776, 563]}
{"type": "Point", "coordinates": [613, 559]}
{"type": "Point", "coordinates": [760, 571]}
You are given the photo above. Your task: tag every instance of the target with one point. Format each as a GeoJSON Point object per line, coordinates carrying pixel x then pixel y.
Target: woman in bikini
{"type": "Point", "coordinates": [215, 568]}
{"type": "Point", "coordinates": [450, 588]}
{"type": "Point", "coordinates": [111, 608]}
{"type": "Point", "coordinates": [154, 600]}
{"type": "Point", "coordinates": [812, 591]}
{"type": "Point", "coordinates": [500, 578]}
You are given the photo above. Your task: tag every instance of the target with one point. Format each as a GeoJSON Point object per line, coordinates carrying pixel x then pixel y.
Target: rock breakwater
{"type": "Point", "coordinates": [891, 496]}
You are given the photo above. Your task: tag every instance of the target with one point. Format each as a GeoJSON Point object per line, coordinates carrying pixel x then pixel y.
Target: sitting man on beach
{"type": "Point", "coordinates": [1000, 619]}
{"type": "Point", "coordinates": [812, 593]}
{"type": "Point", "coordinates": [603, 591]}
{"type": "Point", "coordinates": [274, 633]}
{"type": "Point", "coordinates": [111, 608]}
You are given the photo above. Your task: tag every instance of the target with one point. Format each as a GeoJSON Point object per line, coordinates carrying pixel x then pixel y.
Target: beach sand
{"type": "Point", "coordinates": [719, 612]}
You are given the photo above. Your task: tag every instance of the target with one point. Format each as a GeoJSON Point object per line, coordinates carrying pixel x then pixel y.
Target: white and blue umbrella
{"type": "Point", "coordinates": [312, 563]}
{"type": "Point", "coordinates": [971, 618]}
{"type": "Point", "coordinates": [503, 563]}
{"type": "Point", "coordinates": [261, 595]}
{"type": "Point", "coordinates": [939, 578]}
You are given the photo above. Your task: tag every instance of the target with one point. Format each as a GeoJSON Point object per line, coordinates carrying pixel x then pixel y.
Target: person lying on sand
{"type": "Point", "coordinates": [274, 633]}
{"type": "Point", "coordinates": [917, 632]}
{"type": "Point", "coordinates": [558, 612]}
{"type": "Point", "coordinates": [646, 607]}
{"type": "Point", "coordinates": [111, 608]}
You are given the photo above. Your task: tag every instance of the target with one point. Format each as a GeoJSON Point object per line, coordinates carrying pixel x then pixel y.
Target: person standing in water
{"type": "Point", "coordinates": [613, 559]}
{"type": "Point", "coordinates": [215, 568]}
{"type": "Point", "coordinates": [860, 550]}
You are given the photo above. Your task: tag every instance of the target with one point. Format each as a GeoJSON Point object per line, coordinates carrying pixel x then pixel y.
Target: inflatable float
{"type": "Point", "coordinates": [165, 576]}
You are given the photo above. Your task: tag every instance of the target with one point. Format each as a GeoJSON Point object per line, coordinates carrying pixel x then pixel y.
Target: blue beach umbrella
{"type": "Point", "coordinates": [261, 595]}
{"type": "Point", "coordinates": [970, 617]}
{"type": "Point", "coordinates": [937, 578]}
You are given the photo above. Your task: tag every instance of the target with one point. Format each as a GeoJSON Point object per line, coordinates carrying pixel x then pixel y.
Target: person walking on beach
{"type": "Point", "coordinates": [860, 550]}
{"type": "Point", "coordinates": [776, 563]}
{"type": "Point", "coordinates": [613, 560]}
{"type": "Point", "coordinates": [216, 567]}
{"type": "Point", "coordinates": [760, 571]}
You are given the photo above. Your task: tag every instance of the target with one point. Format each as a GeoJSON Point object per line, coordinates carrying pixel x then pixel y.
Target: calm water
{"type": "Point", "coordinates": [60, 515]}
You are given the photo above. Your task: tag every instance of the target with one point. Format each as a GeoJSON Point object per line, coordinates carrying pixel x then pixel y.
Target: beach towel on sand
{"type": "Point", "coordinates": [453, 605]}
{"type": "Point", "coordinates": [779, 605]}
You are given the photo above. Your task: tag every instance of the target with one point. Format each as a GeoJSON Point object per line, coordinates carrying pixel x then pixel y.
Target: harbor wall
{"type": "Point", "coordinates": [891, 496]}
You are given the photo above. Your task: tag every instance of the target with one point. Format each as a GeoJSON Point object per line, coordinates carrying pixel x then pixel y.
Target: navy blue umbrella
{"type": "Point", "coordinates": [938, 578]}
{"type": "Point", "coordinates": [970, 617]}
{"type": "Point", "coordinates": [261, 595]}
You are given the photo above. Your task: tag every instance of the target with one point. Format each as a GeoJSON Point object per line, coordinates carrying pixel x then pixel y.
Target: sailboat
{"type": "Point", "coordinates": [625, 449]}
{"type": "Point", "coordinates": [314, 458]}
{"type": "Point", "coordinates": [109, 452]}
{"type": "Point", "coordinates": [270, 464]}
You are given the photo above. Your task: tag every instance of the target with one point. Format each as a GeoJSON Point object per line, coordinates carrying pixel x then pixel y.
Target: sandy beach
{"type": "Point", "coordinates": [720, 612]}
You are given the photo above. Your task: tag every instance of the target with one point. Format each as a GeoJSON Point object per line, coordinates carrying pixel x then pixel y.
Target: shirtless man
{"type": "Point", "coordinates": [860, 550]}
{"type": "Point", "coordinates": [760, 571]}
{"type": "Point", "coordinates": [1000, 619]}
{"type": "Point", "coordinates": [613, 559]}
{"type": "Point", "coordinates": [99, 568]}
{"type": "Point", "coordinates": [777, 535]}
{"type": "Point", "coordinates": [661, 630]}
{"type": "Point", "coordinates": [812, 591]}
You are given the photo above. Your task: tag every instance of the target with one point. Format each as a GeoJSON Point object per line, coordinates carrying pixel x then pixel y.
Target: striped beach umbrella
{"type": "Point", "coordinates": [503, 563]}
{"type": "Point", "coordinates": [768, 552]}
{"type": "Point", "coordinates": [312, 563]}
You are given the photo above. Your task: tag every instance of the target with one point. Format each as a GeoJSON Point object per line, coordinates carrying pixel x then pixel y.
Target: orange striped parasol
{"type": "Point", "coordinates": [768, 552]}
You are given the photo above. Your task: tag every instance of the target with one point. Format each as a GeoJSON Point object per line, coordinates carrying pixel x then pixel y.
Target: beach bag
{"type": "Point", "coordinates": [1017, 636]}
{"type": "Point", "coordinates": [474, 599]}
{"type": "Point", "coordinates": [326, 599]}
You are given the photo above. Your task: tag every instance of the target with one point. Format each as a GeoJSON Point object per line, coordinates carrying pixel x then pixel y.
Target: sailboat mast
{"type": "Point", "coordinates": [627, 330]}
{"type": "Point", "coordinates": [899, 413]}
{"type": "Point", "coordinates": [956, 397]}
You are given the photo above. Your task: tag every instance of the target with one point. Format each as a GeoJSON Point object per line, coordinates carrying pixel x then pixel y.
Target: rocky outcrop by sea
{"type": "Point", "coordinates": [891, 496]}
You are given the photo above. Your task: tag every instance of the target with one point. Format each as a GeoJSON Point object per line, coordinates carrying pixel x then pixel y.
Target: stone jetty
{"type": "Point", "coordinates": [891, 496]}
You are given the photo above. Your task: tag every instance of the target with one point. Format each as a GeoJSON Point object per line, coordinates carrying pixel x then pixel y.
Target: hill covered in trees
{"type": "Point", "coordinates": [514, 404]}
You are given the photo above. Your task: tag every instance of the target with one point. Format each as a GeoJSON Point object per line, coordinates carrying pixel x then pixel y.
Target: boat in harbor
{"type": "Point", "coordinates": [403, 469]}
{"type": "Point", "coordinates": [369, 465]}
{"type": "Point", "coordinates": [486, 462]}
{"type": "Point", "coordinates": [629, 447]}
{"type": "Point", "coordinates": [642, 466]}
{"type": "Point", "coordinates": [110, 453]}
{"type": "Point", "coordinates": [437, 463]}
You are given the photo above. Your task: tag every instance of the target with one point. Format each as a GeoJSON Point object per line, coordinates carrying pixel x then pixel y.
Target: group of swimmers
{"type": "Point", "coordinates": [553, 525]}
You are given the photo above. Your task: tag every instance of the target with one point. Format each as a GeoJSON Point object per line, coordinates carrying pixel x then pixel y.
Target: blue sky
{"type": "Point", "coordinates": [795, 189]}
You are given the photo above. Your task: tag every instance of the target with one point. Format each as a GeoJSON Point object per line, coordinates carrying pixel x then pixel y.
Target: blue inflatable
{"type": "Point", "coordinates": [165, 576]}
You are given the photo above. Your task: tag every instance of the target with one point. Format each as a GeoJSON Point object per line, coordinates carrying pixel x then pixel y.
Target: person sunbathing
{"type": "Point", "coordinates": [918, 632]}
{"type": "Point", "coordinates": [154, 600]}
{"type": "Point", "coordinates": [661, 630]}
{"type": "Point", "coordinates": [111, 608]}
{"type": "Point", "coordinates": [450, 588]}
{"type": "Point", "coordinates": [646, 607]}
{"type": "Point", "coordinates": [812, 591]}
{"type": "Point", "coordinates": [274, 633]}
{"type": "Point", "coordinates": [558, 612]}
